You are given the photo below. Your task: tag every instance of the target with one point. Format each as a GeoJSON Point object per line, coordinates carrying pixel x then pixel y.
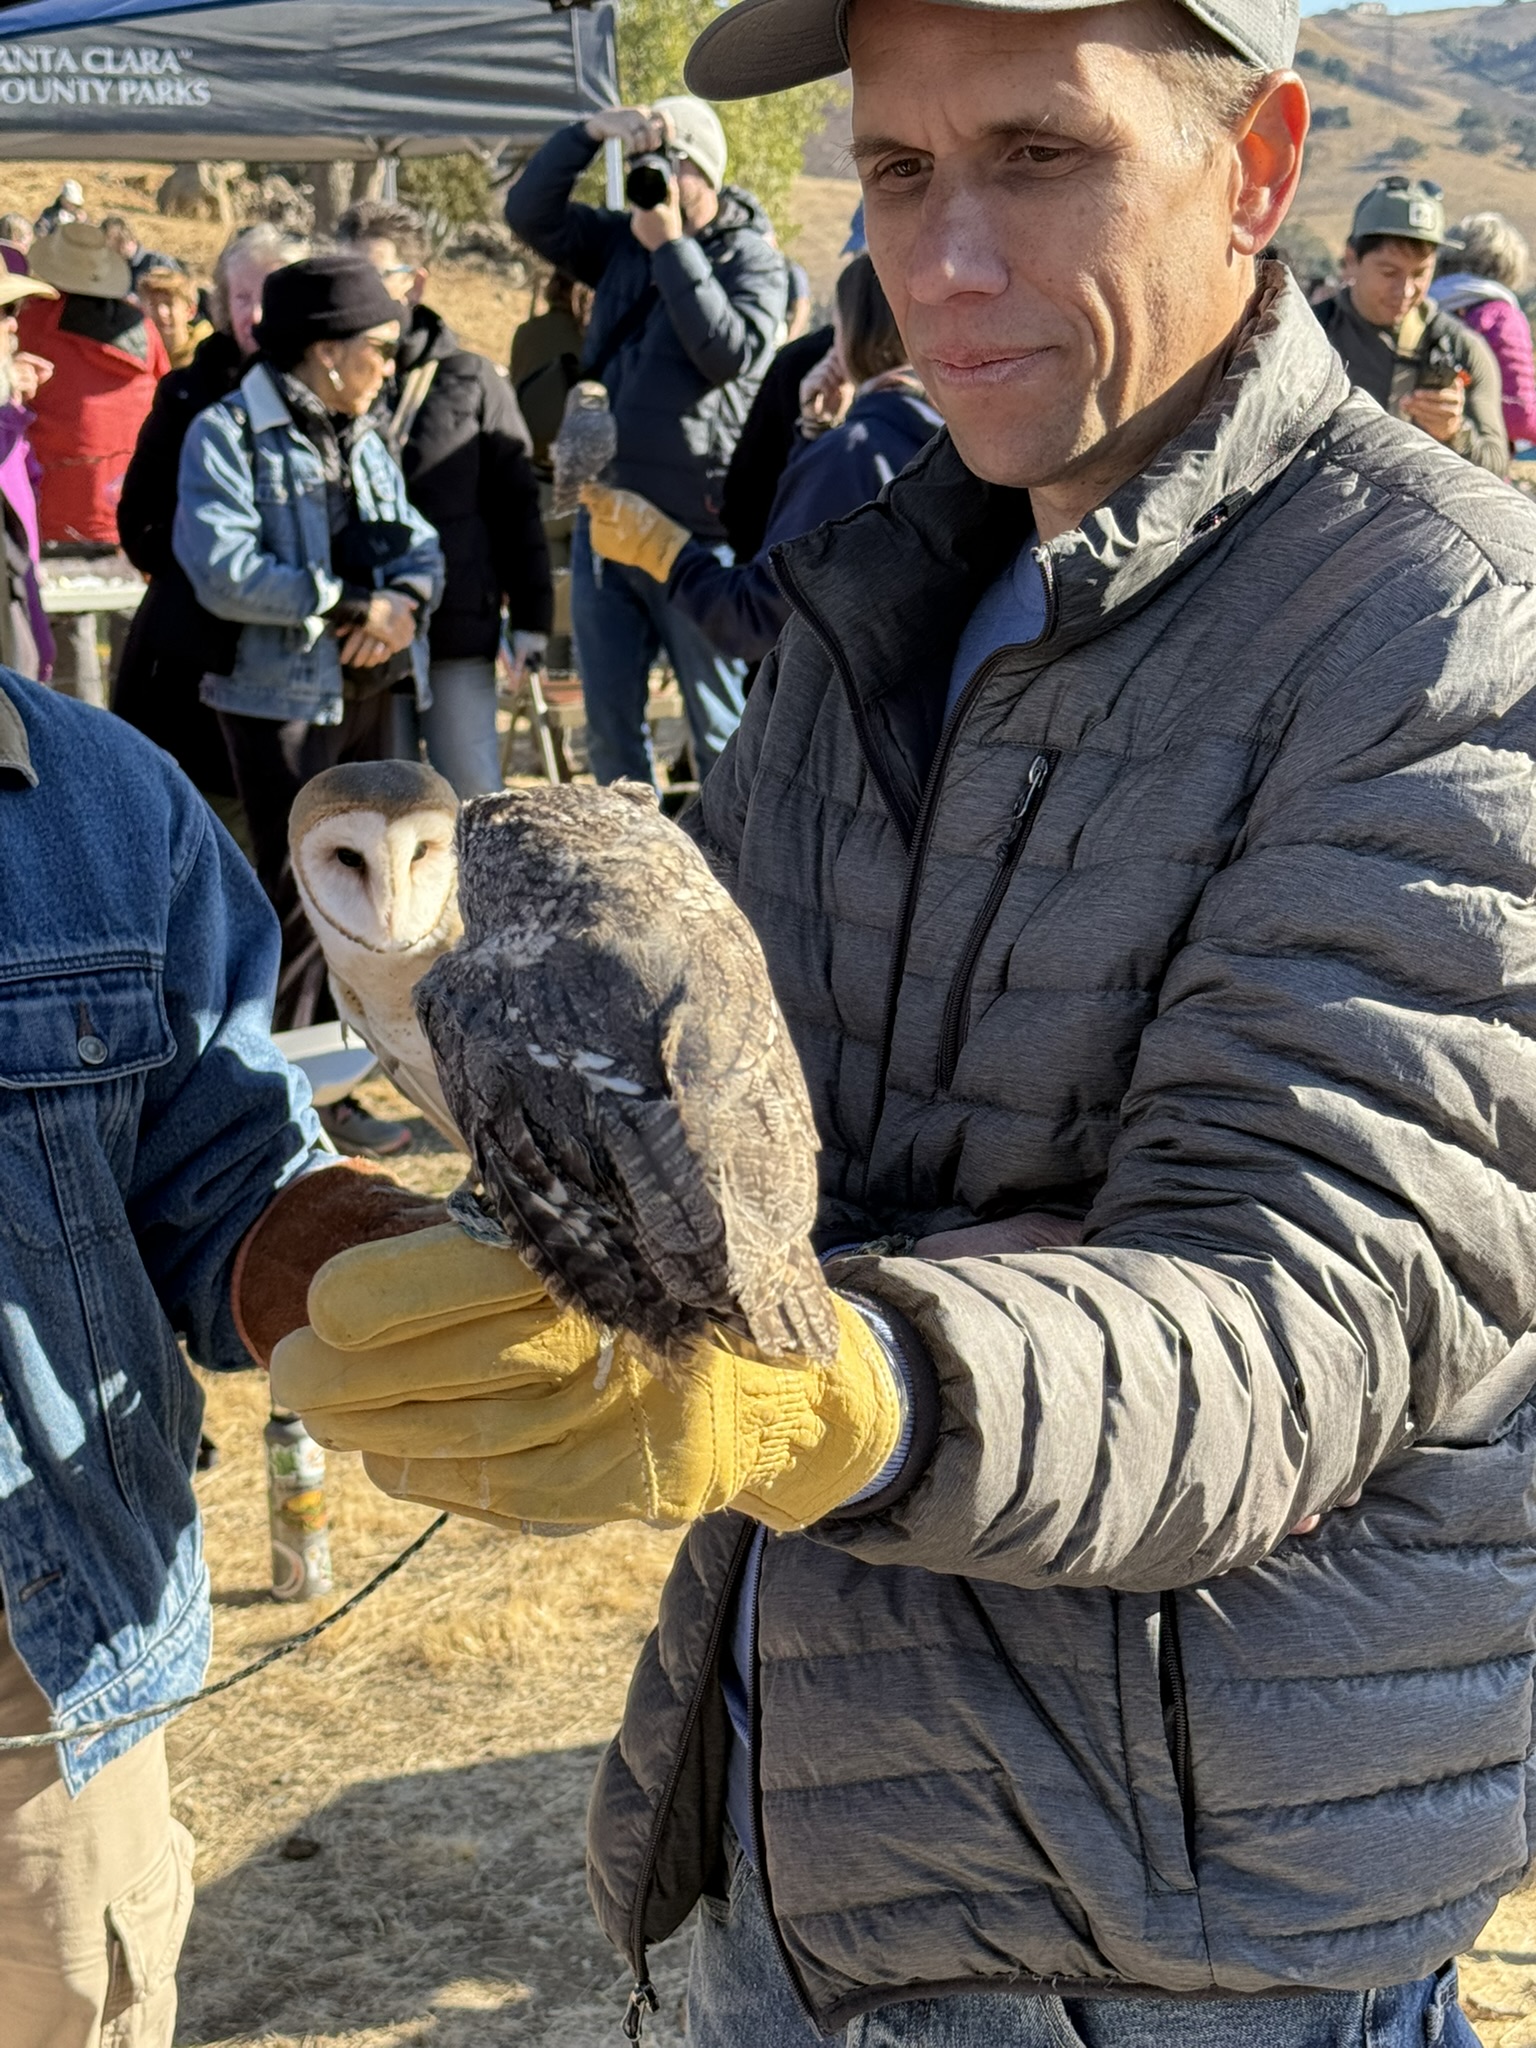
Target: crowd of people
{"type": "Point", "coordinates": [739, 426]}
{"type": "Point", "coordinates": [1111, 708]}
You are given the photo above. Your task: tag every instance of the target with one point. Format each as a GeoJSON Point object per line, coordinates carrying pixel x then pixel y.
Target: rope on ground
{"type": "Point", "coordinates": [88, 1730]}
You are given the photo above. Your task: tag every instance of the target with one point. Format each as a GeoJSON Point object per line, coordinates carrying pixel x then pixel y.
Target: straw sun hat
{"type": "Point", "coordinates": [77, 258]}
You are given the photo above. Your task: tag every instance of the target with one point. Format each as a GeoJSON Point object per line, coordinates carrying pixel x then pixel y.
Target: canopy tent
{"type": "Point", "coordinates": [294, 80]}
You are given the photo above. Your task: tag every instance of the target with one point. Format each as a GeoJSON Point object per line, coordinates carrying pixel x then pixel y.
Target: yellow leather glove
{"type": "Point", "coordinates": [627, 528]}
{"type": "Point", "coordinates": [447, 1365]}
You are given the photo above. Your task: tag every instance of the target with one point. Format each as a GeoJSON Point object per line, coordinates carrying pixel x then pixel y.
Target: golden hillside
{"type": "Point", "coordinates": [1423, 57]}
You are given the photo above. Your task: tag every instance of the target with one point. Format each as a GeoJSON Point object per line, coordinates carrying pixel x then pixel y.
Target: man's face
{"type": "Point", "coordinates": [1390, 280]}
{"type": "Point", "coordinates": [1054, 232]}
{"type": "Point", "coordinates": [697, 199]}
{"type": "Point", "coordinates": [402, 280]}
{"type": "Point", "coordinates": [122, 240]}
{"type": "Point", "coordinates": [242, 295]}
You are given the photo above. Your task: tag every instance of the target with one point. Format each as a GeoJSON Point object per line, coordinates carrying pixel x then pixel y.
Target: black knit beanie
{"type": "Point", "coordinates": [324, 298]}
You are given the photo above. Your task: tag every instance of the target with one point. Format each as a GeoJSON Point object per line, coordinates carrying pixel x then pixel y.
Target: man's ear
{"type": "Point", "coordinates": [1268, 153]}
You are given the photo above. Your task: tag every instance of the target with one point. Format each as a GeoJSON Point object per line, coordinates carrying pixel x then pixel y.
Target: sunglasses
{"type": "Point", "coordinates": [386, 351]}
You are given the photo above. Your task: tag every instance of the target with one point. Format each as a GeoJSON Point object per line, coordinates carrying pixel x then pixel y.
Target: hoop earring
{"type": "Point", "coordinates": [334, 375]}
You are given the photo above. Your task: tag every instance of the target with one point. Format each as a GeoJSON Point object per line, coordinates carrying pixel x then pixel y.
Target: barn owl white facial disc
{"type": "Point", "coordinates": [379, 882]}
{"type": "Point", "coordinates": [373, 857]}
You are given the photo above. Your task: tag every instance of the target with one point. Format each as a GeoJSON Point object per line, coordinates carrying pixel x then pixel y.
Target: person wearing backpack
{"type": "Point", "coordinates": [689, 297]}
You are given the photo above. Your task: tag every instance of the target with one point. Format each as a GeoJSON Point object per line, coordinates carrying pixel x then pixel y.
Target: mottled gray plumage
{"type": "Point", "coordinates": [609, 1045]}
{"type": "Point", "coordinates": [587, 442]}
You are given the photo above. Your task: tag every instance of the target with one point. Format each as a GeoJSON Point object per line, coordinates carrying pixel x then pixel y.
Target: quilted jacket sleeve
{"type": "Point", "coordinates": [724, 310]}
{"type": "Point", "coordinates": [1317, 1235]}
{"type": "Point", "coordinates": [540, 210]}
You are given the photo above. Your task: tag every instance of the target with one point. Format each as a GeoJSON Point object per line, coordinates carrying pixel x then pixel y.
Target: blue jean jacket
{"type": "Point", "coordinates": [146, 1120]}
{"type": "Point", "coordinates": [253, 533]}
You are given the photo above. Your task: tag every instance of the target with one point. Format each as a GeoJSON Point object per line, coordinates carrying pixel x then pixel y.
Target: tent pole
{"type": "Point", "coordinates": [613, 167]}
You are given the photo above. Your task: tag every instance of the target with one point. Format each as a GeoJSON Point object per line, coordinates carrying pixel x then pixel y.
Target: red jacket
{"type": "Point", "coordinates": [90, 410]}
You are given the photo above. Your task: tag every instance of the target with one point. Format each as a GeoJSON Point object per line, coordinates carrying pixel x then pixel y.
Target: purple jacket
{"type": "Point", "coordinates": [1495, 313]}
{"type": "Point", "coordinates": [19, 491]}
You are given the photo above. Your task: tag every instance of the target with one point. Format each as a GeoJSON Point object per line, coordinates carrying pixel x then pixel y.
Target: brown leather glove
{"type": "Point", "coordinates": [353, 1202]}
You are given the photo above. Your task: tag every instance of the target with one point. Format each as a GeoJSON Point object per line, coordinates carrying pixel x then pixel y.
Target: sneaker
{"type": "Point", "coordinates": [351, 1129]}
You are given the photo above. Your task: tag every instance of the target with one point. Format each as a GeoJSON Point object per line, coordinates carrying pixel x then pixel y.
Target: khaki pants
{"type": "Point", "coordinates": [95, 1892]}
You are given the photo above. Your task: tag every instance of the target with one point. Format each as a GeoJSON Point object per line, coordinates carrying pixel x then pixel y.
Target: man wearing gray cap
{"type": "Point", "coordinates": [1395, 342]}
{"type": "Point", "coordinates": [1136, 817]}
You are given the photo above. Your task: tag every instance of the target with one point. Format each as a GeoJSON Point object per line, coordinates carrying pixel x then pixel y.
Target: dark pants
{"type": "Point", "coordinates": [271, 764]}
{"type": "Point", "coordinates": [622, 620]}
{"type": "Point", "coordinates": [156, 687]}
{"type": "Point", "coordinates": [739, 1993]}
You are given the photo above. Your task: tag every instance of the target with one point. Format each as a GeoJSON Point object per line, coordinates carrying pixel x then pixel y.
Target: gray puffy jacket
{"type": "Point", "coordinates": [1250, 982]}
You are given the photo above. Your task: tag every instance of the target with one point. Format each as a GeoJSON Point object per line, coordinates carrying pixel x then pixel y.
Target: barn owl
{"type": "Point", "coordinates": [609, 1044]}
{"type": "Point", "coordinates": [372, 850]}
{"type": "Point", "coordinates": [587, 442]}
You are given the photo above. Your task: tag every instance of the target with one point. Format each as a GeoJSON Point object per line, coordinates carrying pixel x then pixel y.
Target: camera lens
{"type": "Point", "coordinates": [647, 182]}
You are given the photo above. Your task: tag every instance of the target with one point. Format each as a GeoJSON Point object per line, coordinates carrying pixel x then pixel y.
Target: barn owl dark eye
{"type": "Point", "coordinates": [420, 853]}
{"type": "Point", "coordinates": [350, 857]}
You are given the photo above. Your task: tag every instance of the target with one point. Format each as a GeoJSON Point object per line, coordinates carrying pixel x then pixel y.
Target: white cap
{"type": "Point", "coordinates": [697, 133]}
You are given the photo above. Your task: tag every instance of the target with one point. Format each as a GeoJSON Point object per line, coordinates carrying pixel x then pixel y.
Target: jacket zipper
{"type": "Point", "coordinates": [835, 655]}
{"type": "Point", "coordinates": [922, 825]}
{"type": "Point", "coordinates": [1170, 1672]}
{"type": "Point", "coordinates": [642, 1998]}
{"type": "Point", "coordinates": [957, 1002]}
{"type": "Point", "coordinates": [760, 1857]}
{"type": "Point", "coordinates": [923, 831]}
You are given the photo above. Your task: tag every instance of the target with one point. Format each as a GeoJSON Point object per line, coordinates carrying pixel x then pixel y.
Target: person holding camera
{"type": "Point", "coordinates": [1414, 359]}
{"type": "Point", "coordinates": [689, 297]}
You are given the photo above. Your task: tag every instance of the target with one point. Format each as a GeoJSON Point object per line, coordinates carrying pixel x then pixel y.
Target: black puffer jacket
{"type": "Point", "coordinates": [467, 471]}
{"type": "Point", "coordinates": [681, 338]}
{"type": "Point", "coordinates": [1208, 916]}
{"type": "Point", "coordinates": [173, 641]}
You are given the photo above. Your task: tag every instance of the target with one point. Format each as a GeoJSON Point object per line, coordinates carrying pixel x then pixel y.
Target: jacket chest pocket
{"type": "Point", "coordinates": [75, 1044]}
{"type": "Point", "coordinates": [269, 477]}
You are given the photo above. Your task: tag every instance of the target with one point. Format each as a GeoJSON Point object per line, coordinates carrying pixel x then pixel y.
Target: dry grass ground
{"type": "Point", "coordinates": [438, 1745]}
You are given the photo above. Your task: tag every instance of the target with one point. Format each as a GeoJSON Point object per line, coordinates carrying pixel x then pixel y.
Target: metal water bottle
{"type": "Point", "coordinates": [301, 1543]}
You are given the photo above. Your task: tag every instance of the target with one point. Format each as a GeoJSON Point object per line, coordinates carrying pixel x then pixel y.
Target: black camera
{"type": "Point", "coordinates": [649, 179]}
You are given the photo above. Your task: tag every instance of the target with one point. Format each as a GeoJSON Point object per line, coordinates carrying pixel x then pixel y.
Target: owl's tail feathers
{"type": "Point", "coordinates": [798, 1321]}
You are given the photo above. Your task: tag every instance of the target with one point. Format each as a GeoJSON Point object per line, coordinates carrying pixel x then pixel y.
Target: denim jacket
{"type": "Point", "coordinates": [146, 1120]}
{"type": "Point", "coordinates": [253, 533]}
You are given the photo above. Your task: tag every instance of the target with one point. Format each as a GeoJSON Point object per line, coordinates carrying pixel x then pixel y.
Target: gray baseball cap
{"type": "Point", "coordinates": [763, 46]}
{"type": "Point", "coordinates": [1407, 209]}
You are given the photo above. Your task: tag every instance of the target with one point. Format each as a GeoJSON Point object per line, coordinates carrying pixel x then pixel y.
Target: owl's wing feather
{"type": "Point", "coordinates": [541, 1154]}
{"type": "Point", "coordinates": [741, 1097]}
